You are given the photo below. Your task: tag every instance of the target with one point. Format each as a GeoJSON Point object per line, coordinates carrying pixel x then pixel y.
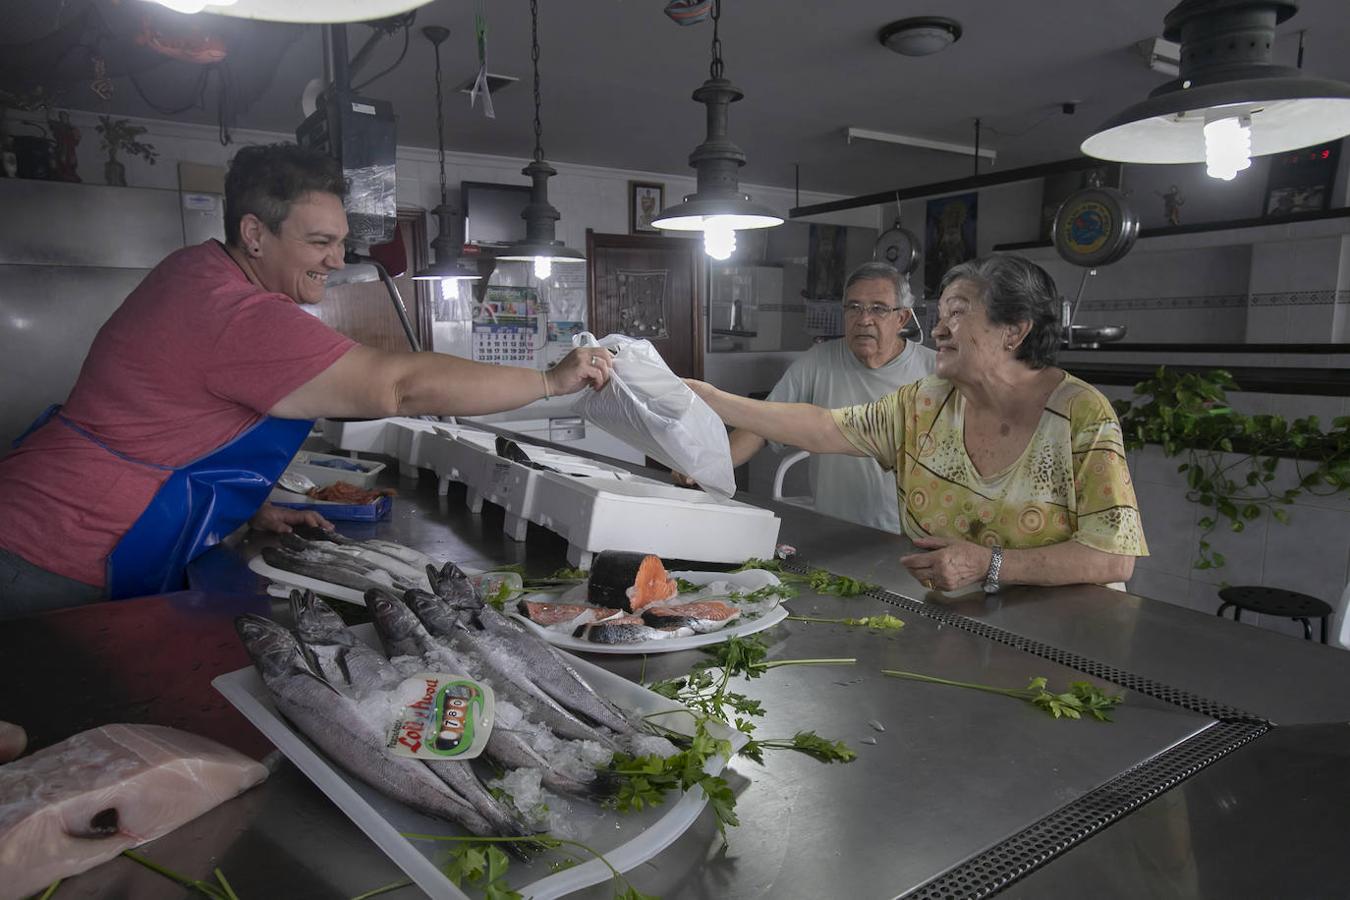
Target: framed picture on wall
{"type": "Point", "coordinates": [645, 200]}
{"type": "Point", "coordinates": [950, 237]}
{"type": "Point", "coordinates": [1301, 180]}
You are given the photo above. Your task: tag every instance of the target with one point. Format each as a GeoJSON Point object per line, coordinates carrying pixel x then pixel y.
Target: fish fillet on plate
{"type": "Point", "coordinates": [632, 604]}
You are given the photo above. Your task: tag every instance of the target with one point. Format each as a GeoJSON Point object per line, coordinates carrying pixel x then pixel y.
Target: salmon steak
{"type": "Point", "coordinates": [70, 806]}
{"type": "Point", "coordinates": [565, 617]}
{"type": "Point", "coordinates": [702, 616]}
{"type": "Point", "coordinates": [621, 579]}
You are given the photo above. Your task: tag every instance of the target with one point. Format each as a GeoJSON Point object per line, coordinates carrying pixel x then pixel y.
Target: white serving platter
{"type": "Point", "coordinates": [638, 837]}
{"type": "Point", "coordinates": [750, 580]}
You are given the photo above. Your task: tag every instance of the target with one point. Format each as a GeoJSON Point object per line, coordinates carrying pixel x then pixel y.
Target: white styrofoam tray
{"type": "Point", "coordinates": [638, 837]}
{"type": "Point", "coordinates": [750, 580]}
{"type": "Point", "coordinates": [647, 516]}
{"type": "Point", "coordinates": [303, 463]}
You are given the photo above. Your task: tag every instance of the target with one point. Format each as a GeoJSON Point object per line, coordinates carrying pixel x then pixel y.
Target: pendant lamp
{"type": "Point", "coordinates": [450, 265]}
{"type": "Point", "coordinates": [717, 207]}
{"type": "Point", "coordinates": [306, 11]}
{"type": "Point", "coordinates": [540, 245]}
{"type": "Point", "coordinates": [1228, 102]}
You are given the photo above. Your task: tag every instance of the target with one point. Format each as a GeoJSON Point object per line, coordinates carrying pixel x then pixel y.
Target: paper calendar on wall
{"type": "Point", "coordinates": [506, 327]}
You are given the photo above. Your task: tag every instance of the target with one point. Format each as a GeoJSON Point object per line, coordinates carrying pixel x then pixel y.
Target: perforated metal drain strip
{"type": "Point", "coordinates": [1042, 841]}
{"type": "Point", "coordinates": [1073, 823]}
{"type": "Point", "coordinates": [1147, 686]}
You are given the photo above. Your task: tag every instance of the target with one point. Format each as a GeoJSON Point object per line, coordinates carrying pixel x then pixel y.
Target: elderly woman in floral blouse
{"type": "Point", "coordinates": [1008, 470]}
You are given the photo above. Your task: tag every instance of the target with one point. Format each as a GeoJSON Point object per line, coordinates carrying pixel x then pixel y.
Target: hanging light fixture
{"type": "Point", "coordinates": [540, 246]}
{"type": "Point", "coordinates": [1229, 102]}
{"type": "Point", "coordinates": [308, 11]}
{"type": "Point", "coordinates": [451, 265]}
{"type": "Point", "coordinates": [717, 207]}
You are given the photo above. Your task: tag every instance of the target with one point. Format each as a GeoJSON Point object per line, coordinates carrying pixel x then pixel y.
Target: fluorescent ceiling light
{"type": "Point", "coordinates": [864, 134]}
{"type": "Point", "coordinates": [305, 11]}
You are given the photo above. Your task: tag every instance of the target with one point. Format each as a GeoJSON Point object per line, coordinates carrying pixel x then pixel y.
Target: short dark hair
{"type": "Point", "coordinates": [1016, 290]}
{"type": "Point", "coordinates": [266, 179]}
{"type": "Point", "coordinates": [882, 271]}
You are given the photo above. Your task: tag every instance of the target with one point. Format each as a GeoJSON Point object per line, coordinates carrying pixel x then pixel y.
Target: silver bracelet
{"type": "Point", "coordinates": [544, 377]}
{"type": "Point", "coordinates": [991, 585]}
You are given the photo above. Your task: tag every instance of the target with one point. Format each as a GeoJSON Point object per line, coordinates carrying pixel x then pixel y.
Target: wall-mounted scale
{"type": "Point", "coordinates": [1093, 227]}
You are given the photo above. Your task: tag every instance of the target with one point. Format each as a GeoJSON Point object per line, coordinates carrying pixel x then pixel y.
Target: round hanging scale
{"type": "Point", "coordinates": [899, 247]}
{"type": "Point", "coordinates": [1094, 227]}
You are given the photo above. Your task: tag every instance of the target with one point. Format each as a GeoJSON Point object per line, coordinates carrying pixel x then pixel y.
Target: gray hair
{"type": "Point", "coordinates": [1016, 290]}
{"type": "Point", "coordinates": [882, 271]}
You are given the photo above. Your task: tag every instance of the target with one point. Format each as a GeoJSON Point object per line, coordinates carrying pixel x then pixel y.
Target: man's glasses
{"type": "Point", "coordinates": [875, 310]}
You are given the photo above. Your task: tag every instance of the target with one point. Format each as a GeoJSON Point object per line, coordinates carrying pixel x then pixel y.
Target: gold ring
{"type": "Point", "coordinates": [928, 584]}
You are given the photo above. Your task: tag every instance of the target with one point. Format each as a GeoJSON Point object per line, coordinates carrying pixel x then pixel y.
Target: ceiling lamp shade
{"type": "Point", "coordinates": [541, 218]}
{"type": "Point", "coordinates": [717, 207]}
{"type": "Point", "coordinates": [305, 11]}
{"type": "Point", "coordinates": [449, 242]}
{"type": "Point", "coordinates": [1226, 76]}
{"type": "Point", "coordinates": [920, 36]}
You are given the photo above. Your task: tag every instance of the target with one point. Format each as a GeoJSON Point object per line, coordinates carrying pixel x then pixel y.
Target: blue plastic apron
{"type": "Point", "coordinates": [200, 503]}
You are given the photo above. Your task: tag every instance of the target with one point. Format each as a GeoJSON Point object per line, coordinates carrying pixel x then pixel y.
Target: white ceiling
{"type": "Point", "coordinates": [617, 75]}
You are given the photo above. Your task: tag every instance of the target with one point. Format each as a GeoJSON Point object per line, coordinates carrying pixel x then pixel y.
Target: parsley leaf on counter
{"type": "Point", "coordinates": [1081, 697]}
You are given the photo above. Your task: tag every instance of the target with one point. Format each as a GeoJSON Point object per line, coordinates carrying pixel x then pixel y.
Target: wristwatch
{"type": "Point", "coordinates": [991, 584]}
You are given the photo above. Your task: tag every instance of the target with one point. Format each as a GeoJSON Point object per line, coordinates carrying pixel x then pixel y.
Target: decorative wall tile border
{"type": "Point", "coordinates": [1324, 297]}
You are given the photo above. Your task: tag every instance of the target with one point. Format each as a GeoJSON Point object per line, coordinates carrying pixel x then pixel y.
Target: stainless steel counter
{"type": "Point", "coordinates": [954, 774]}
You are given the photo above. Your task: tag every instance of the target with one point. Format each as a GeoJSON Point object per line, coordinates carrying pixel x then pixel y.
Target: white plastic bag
{"type": "Point", "coordinates": [648, 406]}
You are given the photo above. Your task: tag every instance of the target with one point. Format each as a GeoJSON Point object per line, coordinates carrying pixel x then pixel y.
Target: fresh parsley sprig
{"type": "Point", "coordinates": [479, 863]}
{"type": "Point", "coordinates": [1082, 697]}
{"type": "Point", "coordinates": [820, 580]}
{"type": "Point", "coordinates": [883, 622]}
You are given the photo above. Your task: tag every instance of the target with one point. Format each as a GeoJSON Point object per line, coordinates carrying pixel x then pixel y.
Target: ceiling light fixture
{"type": "Point", "coordinates": [541, 244]}
{"type": "Point", "coordinates": [717, 207]}
{"type": "Point", "coordinates": [920, 36]}
{"type": "Point", "coordinates": [1226, 88]}
{"type": "Point", "coordinates": [305, 11]}
{"type": "Point", "coordinates": [865, 134]}
{"type": "Point", "coordinates": [450, 266]}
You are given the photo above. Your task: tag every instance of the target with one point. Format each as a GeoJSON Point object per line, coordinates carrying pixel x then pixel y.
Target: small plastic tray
{"type": "Point", "coordinates": [639, 837]}
{"type": "Point", "coordinates": [335, 512]}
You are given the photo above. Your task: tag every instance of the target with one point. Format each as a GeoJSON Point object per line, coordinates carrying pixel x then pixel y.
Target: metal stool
{"type": "Point", "coordinates": [1275, 602]}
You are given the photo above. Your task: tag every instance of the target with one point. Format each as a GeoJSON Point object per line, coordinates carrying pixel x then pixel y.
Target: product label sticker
{"type": "Point", "coordinates": [446, 717]}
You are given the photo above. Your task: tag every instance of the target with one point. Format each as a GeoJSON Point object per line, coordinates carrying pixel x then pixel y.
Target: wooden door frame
{"type": "Point", "coordinates": [600, 240]}
{"type": "Point", "coordinates": [420, 253]}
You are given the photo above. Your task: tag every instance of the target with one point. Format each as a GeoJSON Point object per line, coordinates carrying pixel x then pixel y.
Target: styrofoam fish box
{"type": "Point", "coordinates": [303, 463]}
{"type": "Point", "coordinates": [459, 456]}
{"type": "Point", "coordinates": [361, 435]}
{"type": "Point", "coordinates": [647, 516]}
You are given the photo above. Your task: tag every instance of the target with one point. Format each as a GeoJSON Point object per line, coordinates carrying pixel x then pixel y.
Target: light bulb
{"type": "Point", "coordinates": [1228, 146]}
{"type": "Point", "coordinates": [450, 286]}
{"type": "Point", "coordinates": [543, 267]}
{"type": "Point", "coordinates": [192, 6]}
{"type": "Point", "coordinates": [719, 238]}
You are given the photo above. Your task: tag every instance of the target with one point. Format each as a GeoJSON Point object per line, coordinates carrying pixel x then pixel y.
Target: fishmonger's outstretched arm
{"type": "Point", "coordinates": [370, 383]}
{"type": "Point", "coordinates": [798, 424]}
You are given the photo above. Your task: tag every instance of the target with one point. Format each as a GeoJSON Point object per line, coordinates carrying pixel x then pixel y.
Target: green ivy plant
{"type": "Point", "coordinates": [1230, 458]}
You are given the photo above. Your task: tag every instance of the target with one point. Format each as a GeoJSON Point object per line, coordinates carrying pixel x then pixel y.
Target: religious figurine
{"type": "Point", "coordinates": [1172, 203]}
{"type": "Point", "coordinates": [65, 138]}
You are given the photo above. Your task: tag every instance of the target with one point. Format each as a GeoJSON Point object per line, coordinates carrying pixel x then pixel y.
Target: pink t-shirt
{"type": "Point", "coordinates": [193, 357]}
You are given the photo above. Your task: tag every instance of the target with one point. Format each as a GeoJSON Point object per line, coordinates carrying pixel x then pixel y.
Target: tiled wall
{"type": "Point", "coordinates": [1311, 554]}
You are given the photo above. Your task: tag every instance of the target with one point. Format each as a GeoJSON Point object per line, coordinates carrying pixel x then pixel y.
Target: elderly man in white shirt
{"type": "Point", "coordinates": [871, 360]}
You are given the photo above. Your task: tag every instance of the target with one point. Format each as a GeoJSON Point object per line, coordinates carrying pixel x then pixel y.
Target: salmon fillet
{"type": "Point", "coordinates": [75, 804]}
